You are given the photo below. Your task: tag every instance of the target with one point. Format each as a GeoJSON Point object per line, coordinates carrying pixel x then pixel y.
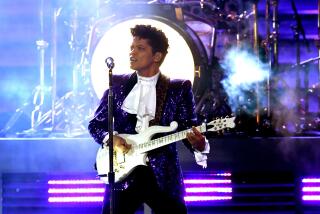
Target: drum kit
{"type": "Point", "coordinates": [198, 31]}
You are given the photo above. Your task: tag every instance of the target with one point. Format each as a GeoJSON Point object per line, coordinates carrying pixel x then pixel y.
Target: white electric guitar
{"type": "Point", "coordinates": [142, 143]}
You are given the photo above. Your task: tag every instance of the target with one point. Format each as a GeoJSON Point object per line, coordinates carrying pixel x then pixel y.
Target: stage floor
{"type": "Point", "coordinates": [235, 153]}
{"type": "Point", "coordinates": [265, 173]}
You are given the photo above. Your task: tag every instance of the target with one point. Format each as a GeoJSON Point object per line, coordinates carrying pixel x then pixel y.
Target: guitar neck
{"type": "Point", "coordinates": [166, 140]}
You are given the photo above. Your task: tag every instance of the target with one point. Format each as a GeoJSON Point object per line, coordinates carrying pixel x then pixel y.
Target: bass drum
{"type": "Point", "coordinates": [186, 57]}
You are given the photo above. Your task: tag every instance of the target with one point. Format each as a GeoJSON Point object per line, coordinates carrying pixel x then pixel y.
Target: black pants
{"type": "Point", "coordinates": [143, 189]}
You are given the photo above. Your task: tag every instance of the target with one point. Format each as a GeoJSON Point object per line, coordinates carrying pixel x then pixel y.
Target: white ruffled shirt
{"type": "Point", "coordinates": [142, 101]}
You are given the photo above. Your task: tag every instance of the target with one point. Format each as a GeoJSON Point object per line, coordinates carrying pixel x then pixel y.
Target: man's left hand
{"type": "Point", "coordinates": [196, 139]}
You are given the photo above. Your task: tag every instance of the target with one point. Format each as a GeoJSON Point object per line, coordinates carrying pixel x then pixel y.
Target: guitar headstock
{"type": "Point", "coordinates": [221, 123]}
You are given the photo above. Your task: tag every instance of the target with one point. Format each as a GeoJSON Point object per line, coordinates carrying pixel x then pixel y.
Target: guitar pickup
{"type": "Point", "coordinates": [120, 158]}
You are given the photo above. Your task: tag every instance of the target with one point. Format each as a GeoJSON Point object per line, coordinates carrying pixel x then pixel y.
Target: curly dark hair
{"type": "Point", "coordinates": [155, 37]}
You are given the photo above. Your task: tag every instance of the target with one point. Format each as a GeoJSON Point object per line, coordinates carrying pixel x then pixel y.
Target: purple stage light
{"type": "Point", "coordinates": [206, 198]}
{"type": "Point", "coordinates": [206, 181]}
{"type": "Point", "coordinates": [311, 197]}
{"type": "Point", "coordinates": [199, 188]}
{"type": "Point", "coordinates": [208, 189]}
{"type": "Point", "coordinates": [75, 182]}
{"type": "Point", "coordinates": [311, 190]}
{"type": "Point", "coordinates": [311, 180]}
{"type": "Point", "coordinates": [223, 174]}
{"type": "Point", "coordinates": [75, 199]}
{"type": "Point", "coordinates": [62, 193]}
{"type": "Point", "coordinates": [75, 190]}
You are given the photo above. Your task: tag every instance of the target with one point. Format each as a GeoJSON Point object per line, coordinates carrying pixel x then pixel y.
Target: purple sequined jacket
{"type": "Point", "coordinates": [179, 106]}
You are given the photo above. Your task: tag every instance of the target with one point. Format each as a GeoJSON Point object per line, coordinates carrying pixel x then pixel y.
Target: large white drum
{"type": "Point", "coordinates": [186, 56]}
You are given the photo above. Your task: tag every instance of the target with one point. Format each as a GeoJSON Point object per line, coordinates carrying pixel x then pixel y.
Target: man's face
{"type": "Point", "coordinates": [141, 57]}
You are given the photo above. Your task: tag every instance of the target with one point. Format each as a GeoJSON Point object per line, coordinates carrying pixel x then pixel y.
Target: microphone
{"type": "Point", "coordinates": [110, 62]}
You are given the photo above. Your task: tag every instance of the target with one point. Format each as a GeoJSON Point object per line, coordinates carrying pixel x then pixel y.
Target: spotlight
{"type": "Point", "coordinates": [186, 54]}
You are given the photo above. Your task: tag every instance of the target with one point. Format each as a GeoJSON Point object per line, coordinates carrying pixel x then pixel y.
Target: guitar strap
{"type": "Point", "coordinates": [161, 90]}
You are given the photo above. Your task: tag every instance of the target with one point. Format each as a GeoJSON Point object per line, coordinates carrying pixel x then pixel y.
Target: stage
{"type": "Point", "coordinates": [255, 60]}
{"type": "Point", "coordinates": [259, 174]}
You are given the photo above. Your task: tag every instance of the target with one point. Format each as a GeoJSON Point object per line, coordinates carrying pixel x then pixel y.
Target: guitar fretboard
{"type": "Point", "coordinates": [166, 140]}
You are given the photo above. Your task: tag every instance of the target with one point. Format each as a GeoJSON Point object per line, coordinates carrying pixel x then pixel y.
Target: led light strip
{"type": "Point", "coordinates": [75, 199]}
{"type": "Point", "coordinates": [76, 190]}
{"type": "Point", "coordinates": [194, 189]}
{"type": "Point", "coordinates": [310, 189]}
{"type": "Point", "coordinates": [74, 182]}
{"type": "Point", "coordinates": [206, 198]}
{"type": "Point", "coordinates": [208, 189]}
{"type": "Point", "coordinates": [207, 181]}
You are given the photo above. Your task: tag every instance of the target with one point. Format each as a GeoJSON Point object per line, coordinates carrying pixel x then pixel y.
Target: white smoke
{"type": "Point", "coordinates": [243, 71]}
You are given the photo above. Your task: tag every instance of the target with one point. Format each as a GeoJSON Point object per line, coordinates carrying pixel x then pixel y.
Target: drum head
{"type": "Point", "coordinates": [186, 53]}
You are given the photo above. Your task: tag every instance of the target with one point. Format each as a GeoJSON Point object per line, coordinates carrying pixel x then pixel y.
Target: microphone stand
{"type": "Point", "coordinates": [38, 99]}
{"type": "Point", "coordinates": [56, 14]}
{"type": "Point", "coordinates": [298, 29]}
{"type": "Point", "coordinates": [256, 51]}
{"type": "Point", "coordinates": [267, 50]}
{"type": "Point", "coordinates": [275, 36]}
{"type": "Point", "coordinates": [110, 131]}
{"type": "Point", "coordinates": [267, 45]}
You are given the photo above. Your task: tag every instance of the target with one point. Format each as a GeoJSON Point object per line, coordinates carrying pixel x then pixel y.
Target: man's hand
{"type": "Point", "coordinates": [120, 145]}
{"type": "Point", "coordinates": [196, 139]}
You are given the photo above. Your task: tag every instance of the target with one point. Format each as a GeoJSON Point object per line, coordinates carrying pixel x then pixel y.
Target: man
{"type": "Point", "coordinates": [143, 99]}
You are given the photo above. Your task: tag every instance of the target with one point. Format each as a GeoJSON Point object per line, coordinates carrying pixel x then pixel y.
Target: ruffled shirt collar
{"type": "Point", "coordinates": [142, 101]}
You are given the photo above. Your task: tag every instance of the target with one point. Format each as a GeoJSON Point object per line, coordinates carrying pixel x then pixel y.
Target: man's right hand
{"type": "Point", "coordinates": [120, 144]}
